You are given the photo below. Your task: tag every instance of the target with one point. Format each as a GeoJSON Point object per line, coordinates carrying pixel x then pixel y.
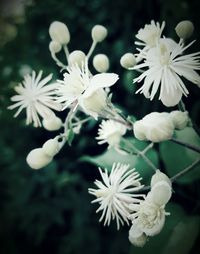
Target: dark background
{"type": "Point", "coordinates": [49, 211]}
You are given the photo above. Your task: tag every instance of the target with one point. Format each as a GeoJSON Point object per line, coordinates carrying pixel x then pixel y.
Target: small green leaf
{"type": "Point", "coordinates": [177, 157]}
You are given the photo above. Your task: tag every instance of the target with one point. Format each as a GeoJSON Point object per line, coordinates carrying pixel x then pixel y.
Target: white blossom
{"type": "Point", "coordinates": [36, 97]}
{"type": "Point", "coordinates": [165, 65]}
{"type": "Point", "coordinates": [148, 217]}
{"type": "Point", "coordinates": [110, 132]}
{"type": "Point", "coordinates": [150, 34]}
{"type": "Point", "coordinates": [116, 192]}
{"type": "Point", "coordinates": [79, 85]}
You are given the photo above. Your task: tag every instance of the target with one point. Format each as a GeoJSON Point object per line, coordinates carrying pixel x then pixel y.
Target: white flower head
{"type": "Point", "coordinates": [36, 97]}
{"type": "Point", "coordinates": [155, 127]}
{"type": "Point", "coordinates": [148, 218]}
{"type": "Point", "coordinates": [166, 65]}
{"type": "Point", "coordinates": [79, 84]}
{"type": "Point", "coordinates": [150, 34]}
{"type": "Point", "coordinates": [110, 132]}
{"type": "Point", "coordinates": [116, 192]}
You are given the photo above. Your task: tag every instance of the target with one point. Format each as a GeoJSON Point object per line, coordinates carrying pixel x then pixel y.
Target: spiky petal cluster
{"type": "Point", "coordinates": [36, 97]}
{"type": "Point", "coordinates": [110, 132]}
{"type": "Point", "coordinates": [116, 192]}
{"type": "Point", "coordinates": [166, 64]}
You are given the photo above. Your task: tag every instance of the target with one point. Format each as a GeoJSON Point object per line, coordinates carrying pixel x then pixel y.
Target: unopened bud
{"type": "Point", "coordinates": [136, 236]}
{"type": "Point", "coordinates": [128, 60]}
{"type": "Point", "coordinates": [184, 29]}
{"type": "Point", "coordinates": [161, 193]}
{"type": "Point", "coordinates": [76, 57]}
{"type": "Point", "coordinates": [55, 47]}
{"type": "Point", "coordinates": [59, 32]}
{"type": "Point", "coordinates": [180, 119]}
{"type": "Point", "coordinates": [99, 33]}
{"type": "Point", "coordinates": [51, 147]}
{"type": "Point", "coordinates": [155, 127]}
{"type": "Point", "coordinates": [52, 124]}
{"type": "Point", "coordinates": [158, 177]}
{"type": "Point", "coordinates": [37, 158]}
{"type": "Point", "coordinates": [101, 63]}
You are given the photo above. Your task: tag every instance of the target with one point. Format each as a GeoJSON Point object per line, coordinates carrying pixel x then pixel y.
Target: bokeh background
{"type": "Point", "coordinates": [49, 211]}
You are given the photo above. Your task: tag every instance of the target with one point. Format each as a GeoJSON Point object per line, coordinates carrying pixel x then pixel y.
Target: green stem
{"type": "Point", "coordinates": [186, 170]}
{"type": "Point", "coordinates": [189, 146]}
{"type": "Point", "coordinates": [140, 153]}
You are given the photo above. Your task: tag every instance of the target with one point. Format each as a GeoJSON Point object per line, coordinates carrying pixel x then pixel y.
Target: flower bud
{"type": "Point", "coordinates": [99, 33]}
{"type": "Point", "coordinates": [161, 193]}
{"type": "Point", "coordinates": [180, 119]}
{"type": "Point", "coordinates": [51, 147]}
{"type": "Point", "coordinates": [37, 158]}
{"type": "Point", "coordinates": [128, 60]}
{"type": "Point", "coordinates": [59, 32]}
{"type": "Point", "coordinates": [52, 124]}
{"type": "Point", "coordinates": [101, 63]}
{"type": "Point", "coordinates": [155, 127]}
{"type": "Point", "coordinates": [138, 241]}
{"type": "Point", "coordinates": [158, 177]}
{"type": "Point", "coordinates": [76, 57]}
{"type": "Point", "coordinates": [184, 29]}
{"type": "Point", "coordinates": [55, 47]}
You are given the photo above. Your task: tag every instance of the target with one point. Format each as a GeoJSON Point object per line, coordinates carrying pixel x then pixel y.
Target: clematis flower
{"type": "Point", "coordinates": [166, 64]}
{"type": "Point", "coordinates": [116, 192]}
{"type": "Point", "coordinates": [79, 86]}
{"type": "Point", "coordinates": [36, 97]}
{"type": "Point", "coordinates": [110, 132]}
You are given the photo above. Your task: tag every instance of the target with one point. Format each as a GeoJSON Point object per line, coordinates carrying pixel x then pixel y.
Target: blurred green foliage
{"type": "Point", "coordinates": [49, 211]}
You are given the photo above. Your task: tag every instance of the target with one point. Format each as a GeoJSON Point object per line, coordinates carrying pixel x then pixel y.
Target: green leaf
{"type": "Point", "coordinates": [177, 157]}
{"type": "Point", "coordinates": [110, 156]}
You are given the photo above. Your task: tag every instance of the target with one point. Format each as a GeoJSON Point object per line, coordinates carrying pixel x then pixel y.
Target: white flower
{"type": "Point", "coordinates": [166, 64]}
{"type": "Point", "coordinates": [110, 132]}
{"type": "Point", "coordinates": [37, 158]}
{"type": "Point", "coordinates": [36, 97]}
{"type": "Point", "coordinates": [150, 34]}
{"type": "Point", "coordinates": [148, 218]}
{"type": "Point", "coordinates": [79, 84]}
{"type": "Point", "coordinates": [115, 193]}
{"type": "Point", "coordinates": [155, 127]}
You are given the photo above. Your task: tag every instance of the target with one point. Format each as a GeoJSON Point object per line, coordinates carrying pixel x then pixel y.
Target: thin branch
{"type": "Point", "coordinates": [186, 170]}
{"type": "Point", "coordinates": [189, 146]}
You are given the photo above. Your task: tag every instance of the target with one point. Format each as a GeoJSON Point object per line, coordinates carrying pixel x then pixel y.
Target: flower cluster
{"type": "Point", "coordinates": [85, 96]}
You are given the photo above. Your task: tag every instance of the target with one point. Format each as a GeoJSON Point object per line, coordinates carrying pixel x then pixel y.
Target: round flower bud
{"type": "Point", "coordinates": [51, 147]}
{"type": "Point", "coordinates": [55, 47]}
{"type": "Point", "coordinates": [101, 63]}
{"type": "Point", "coordinates": [128, 60]}
{"type": "Point", "coordinates": [76, 57]}
{"type": "Point", "coordinates": [37, 158]}
{"type": "Point", "coordinates": [161, 193]}
{"type": "Point", "coordinates": [99, 33]}
{"type": "Point", "coordinates": [180, 119]}
{"type": "Point", "coordinates": [158, 177]}
{"type": "Point", "coordinates": [59, 32]}
{"type": "Point", "coordinates": [184, 29]}
{"type": "Point", "coordinates": [155, 127]}
{"type": "Point", "coordinates": [52, 124]}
